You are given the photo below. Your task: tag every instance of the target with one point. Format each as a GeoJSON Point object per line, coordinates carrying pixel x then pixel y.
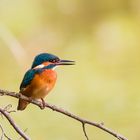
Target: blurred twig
{"type": "Point", "coordinates": [14, 125]}
{"type": "Point", "coordinates": [3, 134]}
{"type": "Point", "coordinates": [60, 110]}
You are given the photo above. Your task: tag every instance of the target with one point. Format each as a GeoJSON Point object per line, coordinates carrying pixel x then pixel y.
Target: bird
{"type": "Point", "coordinates": [40, 79]}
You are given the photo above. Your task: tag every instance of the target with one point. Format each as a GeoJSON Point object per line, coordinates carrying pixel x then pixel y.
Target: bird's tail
{"type": "Point", "coordinates": [22, 104]}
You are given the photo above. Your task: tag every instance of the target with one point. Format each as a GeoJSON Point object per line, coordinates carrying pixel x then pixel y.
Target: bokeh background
{"type": "Point", "coordinates": [103, 37]}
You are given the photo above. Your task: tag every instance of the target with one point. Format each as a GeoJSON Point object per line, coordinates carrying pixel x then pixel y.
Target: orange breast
{"type": "Point", "coordinates": [41, 84]}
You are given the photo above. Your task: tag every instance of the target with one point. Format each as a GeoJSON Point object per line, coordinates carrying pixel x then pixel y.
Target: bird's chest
{"type": "Point", "coordinates": [42, 84]}
{"type": "Point", "coordinates": [46, 79]}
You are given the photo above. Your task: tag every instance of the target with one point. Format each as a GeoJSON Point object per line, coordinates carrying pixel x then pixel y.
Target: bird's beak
{"type": "Point", "coordinates": [65, 62]}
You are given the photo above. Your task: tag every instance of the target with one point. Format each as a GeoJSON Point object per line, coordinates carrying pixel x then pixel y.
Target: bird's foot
{"type": "Point", "coordinates": [42, 106]}
{"type": "Point", "coordinates": [30, 99]}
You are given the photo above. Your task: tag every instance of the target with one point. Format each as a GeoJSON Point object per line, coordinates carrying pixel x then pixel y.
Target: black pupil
{"type": "Point", "coordinates": [54, 60]}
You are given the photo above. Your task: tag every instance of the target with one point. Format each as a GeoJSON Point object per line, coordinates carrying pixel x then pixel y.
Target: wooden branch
{"type": "Point", "coordinates": [11, 121]}
{"type": "Point", "coordinates": [62, 111]}
{"type": "Point", "coordinates": [84, 130]}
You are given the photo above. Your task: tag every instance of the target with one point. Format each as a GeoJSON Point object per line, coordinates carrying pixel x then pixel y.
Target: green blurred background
{"type": "Point", "coordinates": [103, 37]}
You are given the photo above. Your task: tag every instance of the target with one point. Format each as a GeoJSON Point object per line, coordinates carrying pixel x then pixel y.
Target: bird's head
{"type": "Point", "coordinates": [46, 59]}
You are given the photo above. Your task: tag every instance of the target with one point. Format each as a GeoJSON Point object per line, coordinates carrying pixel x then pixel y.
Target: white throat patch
{"type": "Point", "coordinates": [39, 66]}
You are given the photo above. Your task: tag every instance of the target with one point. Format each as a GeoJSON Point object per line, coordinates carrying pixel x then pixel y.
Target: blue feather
{"type": "Point", "coordinates": [43, 57]}
{"type": "Point", "coordinates": [29, 75]}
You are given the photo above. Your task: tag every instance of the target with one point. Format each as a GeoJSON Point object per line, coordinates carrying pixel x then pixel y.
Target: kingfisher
{"type": "Point", "coordinates": [40, 79]}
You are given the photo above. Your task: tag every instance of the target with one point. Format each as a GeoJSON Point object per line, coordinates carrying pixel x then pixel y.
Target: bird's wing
{"type": "Point", "coordinates": [28, 77]}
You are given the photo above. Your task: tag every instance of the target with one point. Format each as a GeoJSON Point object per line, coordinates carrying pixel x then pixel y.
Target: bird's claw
{"type": "Point", "coordinates": [42, 106]}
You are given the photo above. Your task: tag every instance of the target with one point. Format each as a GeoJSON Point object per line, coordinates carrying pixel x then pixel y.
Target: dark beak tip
{"type": "Point", "coordinates": [66, 62]}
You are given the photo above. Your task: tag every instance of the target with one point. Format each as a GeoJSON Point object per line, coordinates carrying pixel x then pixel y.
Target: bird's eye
{"type": "Point", "coordinates": [54, 60]}
{"type": "Point", "coordinates": [51, 60]}
{"type": "Point", "coordinates": [57, 59]}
